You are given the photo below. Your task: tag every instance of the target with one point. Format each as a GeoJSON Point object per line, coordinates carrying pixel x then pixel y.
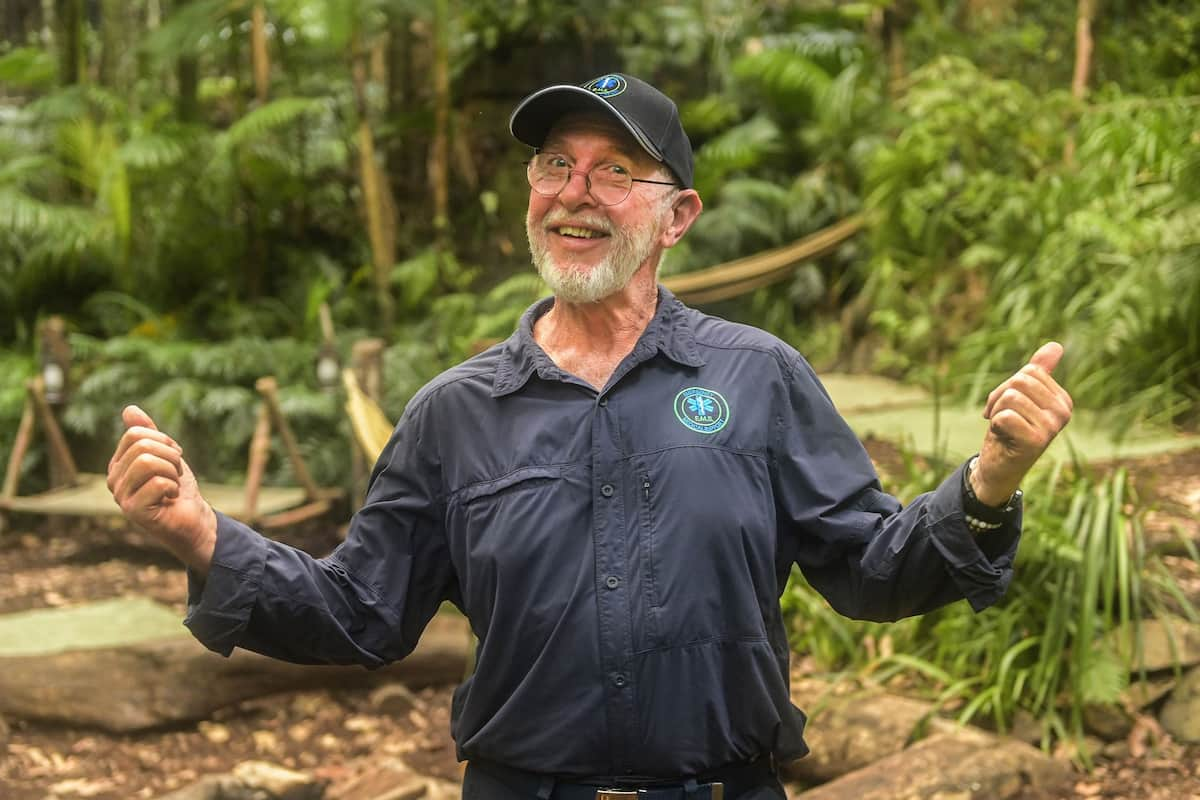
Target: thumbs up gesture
{"type": "Point", "coordinates": [1025, 413]}
{"type": "Point", "coordinates": [157, 491]}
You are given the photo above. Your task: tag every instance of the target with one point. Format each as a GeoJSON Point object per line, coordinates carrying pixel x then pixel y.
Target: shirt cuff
{"type": "Point", "coordinates": [219, 606]}
{"type": "Point", "coordinates": [980, 563]}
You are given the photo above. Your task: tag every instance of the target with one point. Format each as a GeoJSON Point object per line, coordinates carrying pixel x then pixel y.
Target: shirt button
{"type": "Point", "coordinates": [607, 490]}
{"type": "Point", "coordinates": [612, 581]}
{"type": "Point", "coordinates": [603, 402]}
{"type": "Point", "coordinates": [619, 681]}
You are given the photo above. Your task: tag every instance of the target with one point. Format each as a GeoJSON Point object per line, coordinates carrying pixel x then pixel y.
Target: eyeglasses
{"type": "Point", "coordinates": [609, 184]}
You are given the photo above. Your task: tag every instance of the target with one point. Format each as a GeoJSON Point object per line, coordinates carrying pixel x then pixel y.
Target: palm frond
{"type": "Point", "coordinates": [268, 118]}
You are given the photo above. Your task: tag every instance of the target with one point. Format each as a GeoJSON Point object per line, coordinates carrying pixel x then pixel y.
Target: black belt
{"type": "Point", "coordinates": [726, 783]}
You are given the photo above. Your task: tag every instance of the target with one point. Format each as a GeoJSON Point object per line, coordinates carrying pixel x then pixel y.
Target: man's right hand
{"type": "Point", "coordinates": [157, 491]}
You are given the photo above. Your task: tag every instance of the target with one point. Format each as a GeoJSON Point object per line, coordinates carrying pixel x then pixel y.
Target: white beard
{"type": "Point", "coordinates": [576, 283]}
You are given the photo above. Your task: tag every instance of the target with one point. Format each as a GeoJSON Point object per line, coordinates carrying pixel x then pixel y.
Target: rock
{"type": "Point", "coordinates": [1108, 722]}
{"type": "Point", "coordinates": [1143, 694]}
{"type": "Point", "coordinates": [1165, 642]}
{"type": "Point", "coordinates": [393, 699]}
{"type": "Point", "coordinates": [277, 782]}
{"type": "Point", "coordinates": [169, 680]}
{"type": "Point", "coordinates": [1026, 728]}
{"type": "Point", "coordinates": [1180, 715]}
{"type": "Point", "coordinates": [214, 787]}
{"type": "Point", "coordinates": [946, 766]}
{"type": "Point", "coordinates": [850, 731]}
{"type": "Point", "coordinates": [442, 790]}
{"type": "Point", "coordinates": [253, 780]}
{"type": "Point", "coordinates": [375, 779]}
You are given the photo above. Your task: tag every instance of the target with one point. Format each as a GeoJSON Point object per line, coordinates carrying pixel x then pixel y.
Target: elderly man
{"type": "Point", "coordinates": [615, 497]}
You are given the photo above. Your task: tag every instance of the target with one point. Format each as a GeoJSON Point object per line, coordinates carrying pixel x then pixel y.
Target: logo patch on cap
{"type": "Point", "coordinates": [607, 85]}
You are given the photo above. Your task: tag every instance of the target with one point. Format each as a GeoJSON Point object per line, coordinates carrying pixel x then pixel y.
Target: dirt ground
{"type": "Point", "coordinates": [69, 562]}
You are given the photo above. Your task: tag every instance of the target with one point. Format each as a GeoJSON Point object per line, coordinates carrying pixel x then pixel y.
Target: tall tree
{"type": "Point", "coordinates": [259, 55]}
{"type": "Point", "coordinates": [20, 19]}
{"type": "Point", "coordinates": [1084, 16]}
{"type": "Point", "coordinates": [68, 17]}
{"type": "Point", "coordinates": [376, 193]}
{"type": "Point", "coordinates": [439, 154]}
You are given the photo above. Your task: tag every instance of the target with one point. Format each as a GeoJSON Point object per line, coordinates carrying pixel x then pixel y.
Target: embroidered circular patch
{"type": "Point", "coordinates": [702, 410]}
{"type": "Point", "coordinates": [607, 85]}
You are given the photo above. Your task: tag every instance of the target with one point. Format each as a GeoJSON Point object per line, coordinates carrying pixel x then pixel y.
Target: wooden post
{"type": "Point", "coordinates": [366, 356]}
{"type": "Point", "coordinates": [260, 449]}
{"type": "Point", "coordinates": [62, 463]}
{"type": "Point", "coordinates": [269, 389]}
{"type": "Point", "coordinates": [12, 475]}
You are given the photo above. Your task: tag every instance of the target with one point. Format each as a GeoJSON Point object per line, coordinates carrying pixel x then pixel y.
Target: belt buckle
{"type": "Point", "coordinates": [616, 794]}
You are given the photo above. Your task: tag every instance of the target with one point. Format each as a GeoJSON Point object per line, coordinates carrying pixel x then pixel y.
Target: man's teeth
{"type": "Point", "coordinates": [582, 233]}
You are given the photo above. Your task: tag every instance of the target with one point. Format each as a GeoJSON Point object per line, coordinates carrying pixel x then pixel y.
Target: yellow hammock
{"type": "Point", "coordinates": [372, 428]}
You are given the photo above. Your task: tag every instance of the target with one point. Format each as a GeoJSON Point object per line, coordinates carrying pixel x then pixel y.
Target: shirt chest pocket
{"type": "Point", "coordinates": [512, 533]}
{"type": "Point", "coordinates": [704, 546]}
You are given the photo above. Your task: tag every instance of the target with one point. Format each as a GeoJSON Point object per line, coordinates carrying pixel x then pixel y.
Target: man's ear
{"type": "Point", "coordinates": [685, 208]}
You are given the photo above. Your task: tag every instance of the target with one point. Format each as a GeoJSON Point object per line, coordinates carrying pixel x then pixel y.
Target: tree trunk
{"type": "Point", "coordinates": [439, 153]}
{"type": "Point", "coordinates": [69, 32]}
{"type": "Point", "coordinates": [406, 152]}
{"type": "Point", "coordinates": [116, 23]}
{"type": "Point", "coordinates": [1085, 14]}
{"type": "Point", "coordinates": [187, 74]}
{"type": "Point", "coordinates": [260, 57]}
{"type": "Point", "coordinates": [1083, 47]}
{"type": "Point", "coordinates": [376, 194]}
{"type": "Point", "coordinates": [21, 19]}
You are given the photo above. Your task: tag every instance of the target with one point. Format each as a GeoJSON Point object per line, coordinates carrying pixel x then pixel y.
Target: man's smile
{"type": "Point", "coordinates": [576, 232]}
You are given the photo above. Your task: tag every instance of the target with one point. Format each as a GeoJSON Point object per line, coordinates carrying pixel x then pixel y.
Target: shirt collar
{"type": "Point", "coordinates": [669, 332]}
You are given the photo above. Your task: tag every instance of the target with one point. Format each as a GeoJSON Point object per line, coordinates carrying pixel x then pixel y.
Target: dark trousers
{"type": "Point", "coordinates": [495, 782]}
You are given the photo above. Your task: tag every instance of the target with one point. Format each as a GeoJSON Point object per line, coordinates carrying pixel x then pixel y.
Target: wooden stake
{"type": "Point", "coordinates": [12, 475]}
{"type": "Point", "coordinates": [268, 388]}
{"type": "Point", "coordinates": [60, 452]}
{"type": "Point", "coordinates": [260, 450]}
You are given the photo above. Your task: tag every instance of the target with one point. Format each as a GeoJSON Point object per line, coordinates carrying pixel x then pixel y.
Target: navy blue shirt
{"type": "Point", "coordinates": [620, 554]}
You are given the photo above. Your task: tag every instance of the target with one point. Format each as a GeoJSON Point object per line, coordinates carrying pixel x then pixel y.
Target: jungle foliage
{"type": "Point", "coordinates": [187, 182]}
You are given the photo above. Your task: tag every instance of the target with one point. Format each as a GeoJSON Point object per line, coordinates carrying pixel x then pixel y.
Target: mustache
{"type": "Point", "coordinates": [562, 217]}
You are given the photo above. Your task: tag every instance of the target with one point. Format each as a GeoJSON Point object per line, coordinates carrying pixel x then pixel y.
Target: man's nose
{"type": "Point", "coordinates": [578, 191]}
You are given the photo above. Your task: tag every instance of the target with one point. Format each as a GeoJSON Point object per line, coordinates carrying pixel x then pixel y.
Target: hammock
{"type": "Point", "coordinates": [762, 269]}
{"type": "Point", "coordinates": [372, 428]}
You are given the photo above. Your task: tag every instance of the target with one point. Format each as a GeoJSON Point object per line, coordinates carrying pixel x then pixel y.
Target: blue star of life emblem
{"type": "Point", "coordinates": [607, 85]}
{"type": "Point", "coordinates": [701, 410]}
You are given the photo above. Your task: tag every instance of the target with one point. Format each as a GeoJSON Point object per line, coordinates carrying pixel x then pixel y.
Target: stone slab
{"type": "Point", "coordinates": [907, 415]}
{"type": "Point", "coordinates": [110, 623]}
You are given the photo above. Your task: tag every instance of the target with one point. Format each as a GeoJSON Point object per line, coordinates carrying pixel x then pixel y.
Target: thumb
{"type": "Point", "coordinates": [1048, 356]}
{"type": "Point", "coordinates": [133, 416]}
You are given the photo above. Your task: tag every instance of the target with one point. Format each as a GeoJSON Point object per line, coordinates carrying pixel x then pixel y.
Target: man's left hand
{"type": "Point", "coordinates": [1025, 412]}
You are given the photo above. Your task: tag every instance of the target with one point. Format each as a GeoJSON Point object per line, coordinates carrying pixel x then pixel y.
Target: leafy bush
{"type": "Point", "coordinates": [986, 242]}
{"type": "Point", "coordinates": [1082, 571]}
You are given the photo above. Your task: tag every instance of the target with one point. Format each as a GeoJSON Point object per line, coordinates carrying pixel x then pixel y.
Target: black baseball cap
{"type": "Point", "coordinates": [649, 115]}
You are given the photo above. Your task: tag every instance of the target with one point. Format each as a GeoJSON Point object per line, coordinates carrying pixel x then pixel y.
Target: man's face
{"type": "Point", "coordinates": [585, 251]}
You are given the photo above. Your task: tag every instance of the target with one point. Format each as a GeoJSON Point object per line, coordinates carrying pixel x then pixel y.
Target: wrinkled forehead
{"type": "Point", "coordinates": [585, 127]}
